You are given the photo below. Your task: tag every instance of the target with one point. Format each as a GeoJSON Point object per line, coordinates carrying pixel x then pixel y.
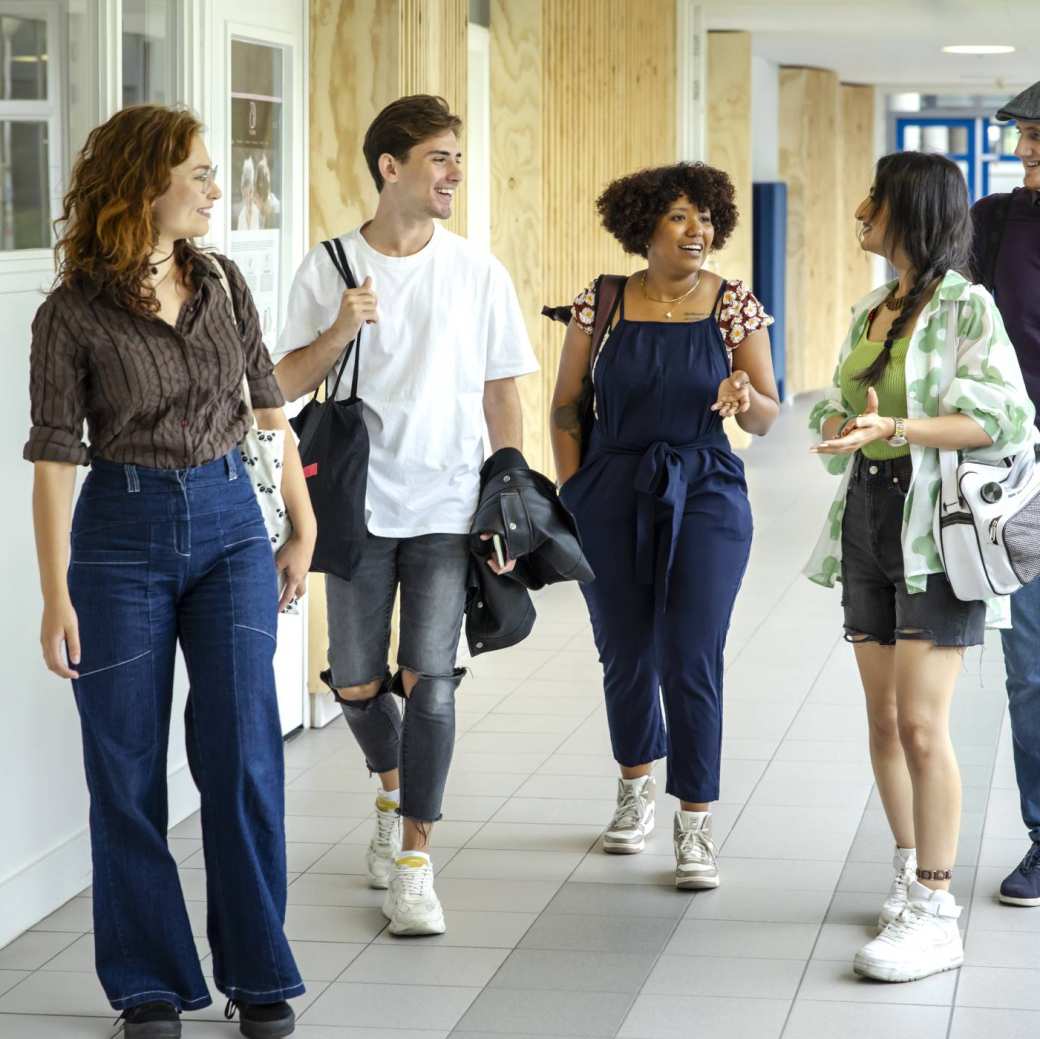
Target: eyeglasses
{"type": "Point", "coordinates": [206, 179]}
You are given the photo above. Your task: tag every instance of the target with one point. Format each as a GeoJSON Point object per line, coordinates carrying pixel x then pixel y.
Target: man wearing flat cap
{"type": "Point", "coordinates": [1007, 261]}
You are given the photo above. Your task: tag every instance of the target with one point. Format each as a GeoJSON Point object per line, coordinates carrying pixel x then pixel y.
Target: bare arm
{"type": "Point", "coordinates": [53, 486]}
{"type": "Point", "coordinates": [564, 420]}
{"type": "Point", "coordinates": [303, 370]}
{"type": "Point", "coordinates": [503, 414]}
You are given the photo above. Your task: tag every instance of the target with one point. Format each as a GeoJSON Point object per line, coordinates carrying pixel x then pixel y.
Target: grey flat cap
{"type": "Point", "coordinates": [1025, 106]}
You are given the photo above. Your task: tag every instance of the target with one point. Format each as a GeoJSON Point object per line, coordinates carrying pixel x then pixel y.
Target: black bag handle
{"type": "Point", "coordinates": [334, 248]}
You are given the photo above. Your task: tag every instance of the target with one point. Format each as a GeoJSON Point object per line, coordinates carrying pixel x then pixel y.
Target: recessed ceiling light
{"type": "Point", "coordinates": [979, 48]}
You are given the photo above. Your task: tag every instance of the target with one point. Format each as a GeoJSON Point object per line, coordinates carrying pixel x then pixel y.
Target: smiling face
{"type": "Point", "coordinates": [873, 225]}
{"type": "Point", "coordinates": [184, 209]}
{"type": "Point", "coordinates": [681, 240]}
{"type": "Point", "coordinates": [424, 184]}
{"type": "Point", "coordinates": [1028, 150]}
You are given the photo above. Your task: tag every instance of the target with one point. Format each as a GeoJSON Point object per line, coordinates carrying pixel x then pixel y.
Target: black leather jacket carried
{"type": "Point", "coordinates": [521, 505]}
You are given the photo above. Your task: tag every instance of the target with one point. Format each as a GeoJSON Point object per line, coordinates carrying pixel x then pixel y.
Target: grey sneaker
{"type": "Point", "coordinates": [633, 818]}
{"type": "Point", "coordinates": [696, 861]}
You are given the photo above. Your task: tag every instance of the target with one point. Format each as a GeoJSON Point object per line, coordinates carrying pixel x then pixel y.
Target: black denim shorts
{"type": "Point", "coordinates": [878, 608]}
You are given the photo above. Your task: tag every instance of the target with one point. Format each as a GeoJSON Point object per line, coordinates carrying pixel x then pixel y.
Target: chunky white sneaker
{"type": "Point", "coordinates": [411, 905]}
{"type": "Point", "coordinates": [904, 862]}
{"type": "Point", "coordinates": [696, 861]}
{"type": "Point", "coordinates": [633, 818]}
{"type": "Point", "coordinates": [385, 845]}
{"type": "Point", "coordinates": [924, 940]}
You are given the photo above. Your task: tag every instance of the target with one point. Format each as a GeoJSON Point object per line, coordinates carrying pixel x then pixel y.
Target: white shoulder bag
{"type": "Point", "coordinates": [987, 519]}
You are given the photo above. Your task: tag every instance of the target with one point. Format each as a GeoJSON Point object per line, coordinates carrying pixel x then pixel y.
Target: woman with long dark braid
{"type": "Point", "coordinates": [926, 366]}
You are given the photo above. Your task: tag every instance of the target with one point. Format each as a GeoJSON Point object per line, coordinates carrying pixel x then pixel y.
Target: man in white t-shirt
{"type": "Point", "coordinates": [443, 344]}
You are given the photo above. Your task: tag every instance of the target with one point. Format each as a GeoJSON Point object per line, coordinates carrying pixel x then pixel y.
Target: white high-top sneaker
{"type": "Point", "coordinates": [904, 862]}
{"type": "Point", "coordinates": [696, 862]}
{"type": "Point", "coordinates": [385, 844]}
{"type": "Point", "coordinates": [922, 941]}
{"type": "Point", "coordinates": [633, 818]}
{"type": "Point", "coordinates": [411, 905]}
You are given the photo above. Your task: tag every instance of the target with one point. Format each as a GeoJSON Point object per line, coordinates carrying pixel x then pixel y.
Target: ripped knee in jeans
{"type": "Point", "coordinates": [859, 638]}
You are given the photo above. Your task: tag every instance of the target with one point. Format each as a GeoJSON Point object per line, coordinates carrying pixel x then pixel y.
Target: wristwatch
{"type": "Point", "coordinates": [898, 438]}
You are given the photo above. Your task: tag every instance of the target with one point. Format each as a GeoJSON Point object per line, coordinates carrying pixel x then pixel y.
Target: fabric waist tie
{"type": "Point", "coordinates": [661, 480]}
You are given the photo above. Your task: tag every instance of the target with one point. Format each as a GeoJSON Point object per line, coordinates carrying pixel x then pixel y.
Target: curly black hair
{"type": "Point", "coordinates": [631, 206]}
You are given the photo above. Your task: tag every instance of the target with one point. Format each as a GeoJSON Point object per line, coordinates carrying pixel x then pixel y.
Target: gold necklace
{"type": "Point", "coordinates": [669, 302]}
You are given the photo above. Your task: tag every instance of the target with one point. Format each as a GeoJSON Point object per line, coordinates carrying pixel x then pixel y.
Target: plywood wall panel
{"type": "Point", "coordinates": [810, 163]}
{"type": "Point", "coordinates": [856, 154]}
{"type": "Point", "coordinates": [729, 139]}
{"type": "Point", "coordinates": [594, 81]}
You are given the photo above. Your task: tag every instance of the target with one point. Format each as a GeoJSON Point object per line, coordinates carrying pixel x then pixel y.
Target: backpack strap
{"type": "Point", "coordinates": [610, 289]}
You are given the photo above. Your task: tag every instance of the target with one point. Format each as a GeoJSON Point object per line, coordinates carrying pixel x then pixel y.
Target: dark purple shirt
{"type": "Point", "coordinates": [1017, 275]}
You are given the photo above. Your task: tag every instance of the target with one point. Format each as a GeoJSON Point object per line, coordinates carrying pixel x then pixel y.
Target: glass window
{"type": "Point", "coordinates": [25, 204]}
{"type": "Point", "coordinates": [149, 50]}
{"type": "Point", "coordinates": [24, 42]}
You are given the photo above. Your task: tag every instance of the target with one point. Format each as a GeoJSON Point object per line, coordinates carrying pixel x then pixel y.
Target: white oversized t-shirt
{"type": "Point", "coordinates": [449, 321]}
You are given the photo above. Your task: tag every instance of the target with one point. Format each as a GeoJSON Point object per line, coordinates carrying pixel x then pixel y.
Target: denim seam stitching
{"type": "Point", "coordinates": [285, 991]}
{"type": "Point", "coordinates": [110, 562]}
{"type": "Point", "coordinates": [161, 992]}
{"type": "Point", "coordinates": [245, 541]}
{"type": "Point", "coordinates": [110, 667]}
{"type": "Point", "coordinates": [259, 631]}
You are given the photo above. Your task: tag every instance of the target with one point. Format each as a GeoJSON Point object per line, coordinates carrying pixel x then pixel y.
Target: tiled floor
{"type": "Point", "coordinates": [548, 936]}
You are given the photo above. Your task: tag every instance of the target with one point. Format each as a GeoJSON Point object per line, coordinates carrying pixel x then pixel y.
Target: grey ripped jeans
{"type": "Point", "coordinates": [431, 570]}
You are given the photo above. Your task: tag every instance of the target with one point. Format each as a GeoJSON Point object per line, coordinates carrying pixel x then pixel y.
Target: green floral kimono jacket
{"type": "Point", "coordinates": [985, 383]}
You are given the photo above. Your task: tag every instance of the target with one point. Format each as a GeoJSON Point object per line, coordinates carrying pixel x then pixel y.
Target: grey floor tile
{"type": "Point", "coordinates": [573, 970]}
{"type": "Point", "coordinates": [504, 866]}
{"type": "Point", "coordinates": [518, 896]}
{"type": "Point", "coordinates": [324, 961]}
{"type": "Point", "coordinates": [40, 1026]}
{"type": "Point", "coordinates": [843, 941]}
{"type": "Point", "coordinates": [499, 720]}
{"type": "Point", "coordinates": [780, 875]}
{"type": "Point", "coordinates": [833, 980]}
{"type": "Point", "coordinates": [620, 900]}
{"type": "Point", "coordinates": [792, 833]}
{"type": "Point", "coordinates": [57, 992]}
{"type": "Point", "coordinates": [1001, 948]}
{"type": "Point", "coordinates": [665, 1017]}
{"type": "Point", "coordinates": [76, 915]}
{"type": "Point", "coordinates": [372, 1006]}
{"type": "Point", "coordinates": [548, 810]}
{"type": "Point", "coordinates": [333, 889]}
{"type": "Point", "coordinates": [627, 934]}
{"type": "Point", "coordinates": [1004, 988]}
{"type": "Point", "coordinates": [976, 1023]}
{"type": "Point", "coordinates": [648, 868]}
{"type": "Point", "coordinates": [816, 1020]}
{"type": "Point", "coordinates": [738, 938]}
{"type": "Point", "coordinates": [713, 976]}
{"type": "Point", "coordinates": [755, 904]}
{"type": "Point", "coordinates": [31, 950]}
{"type": "Point", "coordinates": [333, 923]}
{"type": "Point", "coordinates": [545, 1011]}
{"type": "Point", "coordinates": [470, 929]}
{"type": "Point", "coordinates": [988, 914]}
{"type": "Point", "coordinates": [535, 837]}
{"type": "Point", "coordinates": [318, 829]}
{"type": "Point", "coordinates": [834, 750]}
{"type": "Point", "coordinates": [10, 978]}
{"type": "Point", "coordinates": [416, 964]}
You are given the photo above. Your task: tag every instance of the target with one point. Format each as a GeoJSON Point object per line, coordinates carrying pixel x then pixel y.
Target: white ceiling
{"type": "Point", "coordinates": [895, 43]}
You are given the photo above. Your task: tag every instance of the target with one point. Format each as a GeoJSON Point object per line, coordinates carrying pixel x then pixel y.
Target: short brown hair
{"type": "Point", "coordinates": [402, 125]}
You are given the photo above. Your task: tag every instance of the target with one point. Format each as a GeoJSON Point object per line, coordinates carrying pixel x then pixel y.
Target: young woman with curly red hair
{"type": "Point", "coordinates": [140, 341]}
{"type": "Point", "coordinates": [658, 495]}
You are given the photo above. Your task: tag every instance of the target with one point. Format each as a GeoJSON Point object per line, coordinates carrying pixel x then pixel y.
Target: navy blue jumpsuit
{"type": "Point", "coordinates": [661, 505]}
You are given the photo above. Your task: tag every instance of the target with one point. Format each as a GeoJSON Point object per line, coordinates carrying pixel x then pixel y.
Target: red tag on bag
{"type": "Point", "coordinates": [310, 470]}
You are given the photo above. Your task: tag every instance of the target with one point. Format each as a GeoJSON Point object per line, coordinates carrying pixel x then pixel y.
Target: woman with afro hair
{"type": "Point", "coordinates": [657, 494]}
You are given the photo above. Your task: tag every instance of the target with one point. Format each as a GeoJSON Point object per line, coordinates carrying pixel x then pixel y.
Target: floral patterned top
{"type": "Point", "coordinates": [979, 377]}
{"type": "Point", "coordinates": [741, 313]}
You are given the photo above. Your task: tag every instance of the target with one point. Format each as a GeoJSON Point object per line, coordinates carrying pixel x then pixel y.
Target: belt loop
{"type": "Point", "coordinates": [232, 472]}
{"type": "Point", "coordinates": [133, 481]}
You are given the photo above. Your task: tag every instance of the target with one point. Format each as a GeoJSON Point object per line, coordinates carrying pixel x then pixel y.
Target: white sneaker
{"type": "Point", "coordinates": [924, 940]}
{"type": "Point", "coordinates": [904, 862]}
{"type": "Point", "coordinates": [633, 818]}
{"type": "Point", "coordinates": [696, 861]}
{"type": "Point", "coordinates": [385, 845]}
{"type": "Point", "coordinates": [411, 905]}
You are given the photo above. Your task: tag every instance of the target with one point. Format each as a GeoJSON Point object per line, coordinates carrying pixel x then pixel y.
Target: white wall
{"type": "Point", "coordinates": [765, 119]}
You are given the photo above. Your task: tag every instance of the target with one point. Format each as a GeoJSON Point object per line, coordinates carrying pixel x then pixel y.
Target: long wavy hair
{"type": "Point", "coordinates": [107, 232]}
{"type": "Point", "coordinates": [925, 199]}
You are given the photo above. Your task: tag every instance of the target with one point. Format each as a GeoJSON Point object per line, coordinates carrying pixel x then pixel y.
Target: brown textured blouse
{"type": "Point", "coordinates": [151, 394]}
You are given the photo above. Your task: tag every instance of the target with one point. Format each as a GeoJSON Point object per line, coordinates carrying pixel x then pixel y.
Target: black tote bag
{"type": "Point", "coordinates": [334, 453]}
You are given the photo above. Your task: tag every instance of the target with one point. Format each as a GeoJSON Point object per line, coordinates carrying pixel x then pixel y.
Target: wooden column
{"type": "Point", "coordinates": [582, 91]}
{"type": "Point", "coordinates": [810, 163]}
{"type": "Point", "coordinates": [857, 158]}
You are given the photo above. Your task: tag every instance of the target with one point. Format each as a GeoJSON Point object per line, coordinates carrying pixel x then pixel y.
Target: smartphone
{"type": "Point", "coordinates": [500, 555]}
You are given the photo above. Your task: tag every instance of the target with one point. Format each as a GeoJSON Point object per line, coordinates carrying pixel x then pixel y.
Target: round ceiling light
{"type": "Point", "coordinates": [979, 48]}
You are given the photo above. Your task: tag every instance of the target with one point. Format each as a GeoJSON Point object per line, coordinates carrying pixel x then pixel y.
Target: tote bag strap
{"type": "Point", "coordinates": [338, 256]}
{"type": "Point", "coordinates": [222, 275]}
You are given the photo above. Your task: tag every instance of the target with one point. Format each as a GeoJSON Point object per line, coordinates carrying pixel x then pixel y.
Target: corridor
{"type": "Point", "coordinates": [549, 937]}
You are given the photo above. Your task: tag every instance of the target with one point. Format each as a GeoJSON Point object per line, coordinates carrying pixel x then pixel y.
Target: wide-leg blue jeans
{"type": "Point", "coordinates": [160, 557]}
